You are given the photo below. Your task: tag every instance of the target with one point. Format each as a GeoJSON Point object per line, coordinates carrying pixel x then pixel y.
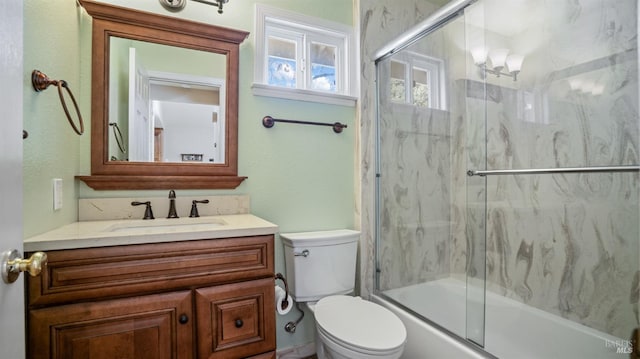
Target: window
{"type": "Point", "coordinates": [398, 81]}
{"type": "Point", "coordinates": [417, 80]}
{"type": "Point", "coordinates": [303, 58]}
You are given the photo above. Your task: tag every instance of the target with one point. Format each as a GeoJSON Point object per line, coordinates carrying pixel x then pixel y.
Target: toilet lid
{"type": "Point", "coordinates": [360, 323]}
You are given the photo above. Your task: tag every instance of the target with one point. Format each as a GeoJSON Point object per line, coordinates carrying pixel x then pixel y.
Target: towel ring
{"type": "Point", "coordinates": [41, 82]}
{"type": "Point", "coordinates": [118, 135]}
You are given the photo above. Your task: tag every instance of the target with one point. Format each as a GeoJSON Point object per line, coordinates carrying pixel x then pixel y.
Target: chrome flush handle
{"type": "Point", "coordinates": [304, 253]}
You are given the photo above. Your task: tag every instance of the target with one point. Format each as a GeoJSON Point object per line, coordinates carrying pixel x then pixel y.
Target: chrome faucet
{"type": "Point", "coordinates": [172, 205]}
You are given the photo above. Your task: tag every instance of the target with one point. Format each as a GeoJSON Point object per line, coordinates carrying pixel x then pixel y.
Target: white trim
{"type": "Point", "coordinates": [331, 98]}
{"type": "Point", "coordinates": [14, 93]}
{"type": "Point", "coordinates": [219, 83]}
{"type": "Point", "coordinates": [287, 17]}
{"type": "Point", "coordinates": [298, 352]}
{"type": "Point", "coordinates": [187, 79]}
{"type": "Point", "coordinates": [205, 81]}
{"type": "Point", "coordinates": [436, 65]}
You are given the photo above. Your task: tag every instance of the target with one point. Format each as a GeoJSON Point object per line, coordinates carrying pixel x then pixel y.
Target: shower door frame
{"type": "Point", "coordinates": [440, 18]}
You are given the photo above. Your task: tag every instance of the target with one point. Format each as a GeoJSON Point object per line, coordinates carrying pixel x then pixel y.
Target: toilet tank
{"type": "Point", "coordinates": [329, 267]}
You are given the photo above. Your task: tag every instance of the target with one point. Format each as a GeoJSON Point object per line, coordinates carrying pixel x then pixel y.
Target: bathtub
{"type": "Point", "coordinates": [512, 329]}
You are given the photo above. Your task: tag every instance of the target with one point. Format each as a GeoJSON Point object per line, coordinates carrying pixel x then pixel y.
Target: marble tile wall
{"type": "Point", "coordinates": [414, 187]}
{"type": "Point", "coordinates": [380, 22]}
{"type": "Point", "coordinates": [565, 243]}
{"type": "Point", "coordinates": [415, 159]}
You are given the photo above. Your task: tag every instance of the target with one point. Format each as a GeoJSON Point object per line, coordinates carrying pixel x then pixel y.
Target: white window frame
{"type": "Point", "coordinates": [434, 66]}
{"type": "Point", "coordinates": [307, 30]}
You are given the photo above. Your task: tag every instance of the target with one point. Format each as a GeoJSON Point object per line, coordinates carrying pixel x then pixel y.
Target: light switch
{"type": "Point", "coordinates": [57, 194]}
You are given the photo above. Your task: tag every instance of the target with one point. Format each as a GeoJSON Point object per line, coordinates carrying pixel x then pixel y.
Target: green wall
{"type": "Point", "coordinates": [299, 177]}
{"type": "Point", "coordinates": [52, 43]}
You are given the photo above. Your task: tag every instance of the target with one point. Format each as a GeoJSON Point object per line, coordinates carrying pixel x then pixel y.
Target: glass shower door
{"type": "Point", "coordinates": [472, 190]}
{"type": "Point", "coordinates": [421, 182]}
{"type": "Point", "coordinates": [508, 187]}
{"type": "Point", "coordinates": [562, 228]}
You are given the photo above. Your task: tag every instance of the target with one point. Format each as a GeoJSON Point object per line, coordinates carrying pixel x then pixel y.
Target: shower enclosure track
{"type": "Point", "coordinates": [530, 171]}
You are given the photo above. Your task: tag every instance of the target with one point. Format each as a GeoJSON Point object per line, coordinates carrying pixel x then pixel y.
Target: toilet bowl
{"type": "Point", "coordinates": [350, 327]}
{"type": "Point", "coordinates": [321, 270]}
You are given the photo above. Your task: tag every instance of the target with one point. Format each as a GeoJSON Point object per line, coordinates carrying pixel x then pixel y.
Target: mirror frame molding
{"type": "Point", "coordinates": [110, 20]}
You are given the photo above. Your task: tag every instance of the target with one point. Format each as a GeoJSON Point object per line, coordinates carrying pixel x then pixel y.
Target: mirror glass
{"type": "Point", "coordinates": [161, 110]}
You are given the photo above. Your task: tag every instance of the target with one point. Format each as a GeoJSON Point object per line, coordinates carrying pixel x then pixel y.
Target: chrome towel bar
{"type": "Point", "coordinates": [530, 171]}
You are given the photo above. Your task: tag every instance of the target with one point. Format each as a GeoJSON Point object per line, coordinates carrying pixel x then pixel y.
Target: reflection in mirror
{"type": "Point", "coordinates": [167, 112]}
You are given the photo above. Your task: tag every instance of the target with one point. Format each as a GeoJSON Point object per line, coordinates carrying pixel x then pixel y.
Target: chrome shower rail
{"type": "Point", "coordinates": [555, 170]}
{"type": "Point", "coordinates": [431, 23]}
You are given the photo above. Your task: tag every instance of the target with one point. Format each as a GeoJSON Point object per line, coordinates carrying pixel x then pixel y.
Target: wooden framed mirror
{"type": "Point", "coordinates": [169, 123]}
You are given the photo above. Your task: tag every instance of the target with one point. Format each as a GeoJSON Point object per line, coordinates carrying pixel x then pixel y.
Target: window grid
{"type": "Point", "coordinates": [320, 66]}
{"type": "Point", "coordinates": [416, 79]}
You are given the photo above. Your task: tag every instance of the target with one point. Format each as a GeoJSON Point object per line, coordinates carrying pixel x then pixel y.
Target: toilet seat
{"type": "Point", "coordinates": [360, 325]}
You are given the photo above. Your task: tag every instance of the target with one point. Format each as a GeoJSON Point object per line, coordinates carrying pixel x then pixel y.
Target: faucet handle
{"type": "Point", "coordinates": [148, 213]}
{"type": "Point", "coordinates": [172, 194]}
{"type": "Point", "coordinates": [194, 207]}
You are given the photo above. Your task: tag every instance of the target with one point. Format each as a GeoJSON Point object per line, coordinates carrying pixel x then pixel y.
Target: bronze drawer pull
{"type": "Point", "coordinates": [184, 319]}
{"type": "Point", "coordinates": [239, 323]}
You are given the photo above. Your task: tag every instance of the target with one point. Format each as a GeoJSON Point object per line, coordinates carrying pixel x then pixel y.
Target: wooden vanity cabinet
{"type": "Point", "coordinates": [191, 299]}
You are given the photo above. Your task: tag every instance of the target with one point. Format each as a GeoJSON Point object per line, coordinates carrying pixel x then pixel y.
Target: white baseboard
{"type": "Point", "coordinates": [298, 352]}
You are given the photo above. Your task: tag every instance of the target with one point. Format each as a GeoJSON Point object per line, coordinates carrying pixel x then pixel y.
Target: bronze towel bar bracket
{"type": "Point", "coordinates": [269, 122]}
{"type": "Point", "coordinates": [41, 82]}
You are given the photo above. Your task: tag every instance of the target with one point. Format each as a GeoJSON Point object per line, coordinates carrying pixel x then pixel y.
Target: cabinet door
{"type": "Point", "coordinates": [236, 320]}
{"type": "Point", "coordinates": [153, 326]}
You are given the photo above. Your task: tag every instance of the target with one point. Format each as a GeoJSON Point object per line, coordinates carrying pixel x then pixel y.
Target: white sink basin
{"type": "Point", "coordinates": [166, 225]}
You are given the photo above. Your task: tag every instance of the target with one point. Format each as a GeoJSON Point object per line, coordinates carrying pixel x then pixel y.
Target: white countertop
{"type": "Point", "coordinates": [89, 234]}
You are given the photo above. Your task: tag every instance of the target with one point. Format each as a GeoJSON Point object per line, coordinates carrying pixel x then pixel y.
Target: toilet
{"type": "Point", "coordinates": [321, 269]}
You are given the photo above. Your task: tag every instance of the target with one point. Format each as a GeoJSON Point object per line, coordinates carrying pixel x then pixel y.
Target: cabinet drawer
{"type": "Point", "coordinates": [236, 320]}
{"type": "Point", "coordinates": [155, 326]}
{"type": "Point", "coordinates": [107, 272]}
